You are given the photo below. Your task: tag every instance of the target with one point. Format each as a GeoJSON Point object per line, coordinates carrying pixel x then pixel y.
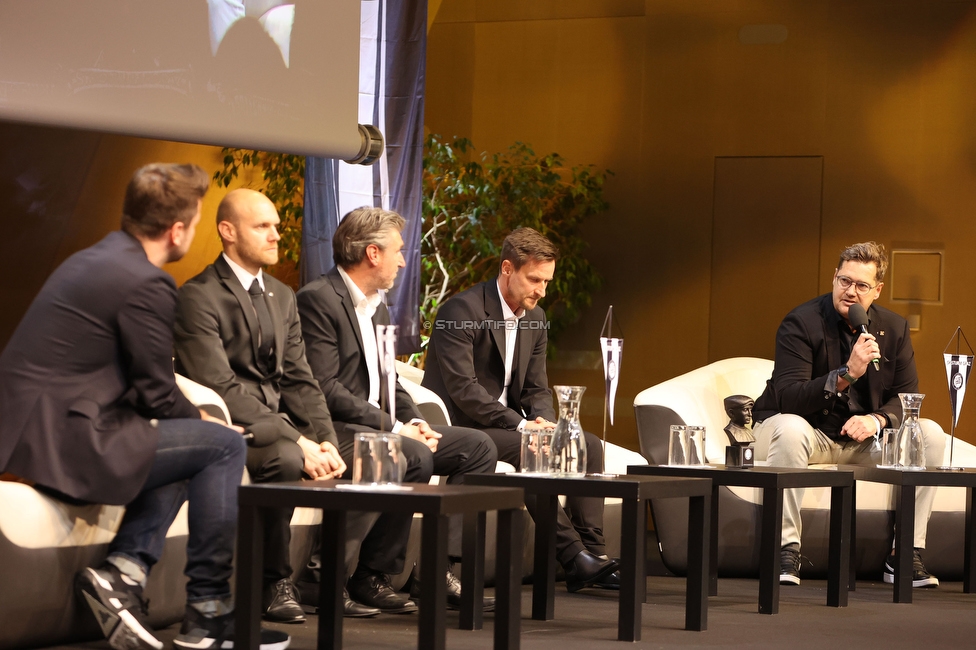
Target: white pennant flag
{"type": "Point", "coordinates": [612, 349]}
{"type": "Point", "coordinates": [957, 374]}
{"type": "Point", "coordinates": [386, 337]}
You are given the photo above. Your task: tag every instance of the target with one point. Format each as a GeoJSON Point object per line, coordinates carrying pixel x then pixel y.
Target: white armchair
{"type": "Point", "coordinates": [696, 397]}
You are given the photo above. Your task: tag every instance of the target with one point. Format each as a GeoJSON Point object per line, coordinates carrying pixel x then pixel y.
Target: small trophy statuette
{"type": "Point", "coordinates": [741, 452]}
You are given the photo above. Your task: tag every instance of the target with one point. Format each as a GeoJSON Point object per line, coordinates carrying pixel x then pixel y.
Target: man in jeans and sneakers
{"type": "Point", "coordinates": [91, 412]}
{"type": "Point", "coordinates": [835, 388]}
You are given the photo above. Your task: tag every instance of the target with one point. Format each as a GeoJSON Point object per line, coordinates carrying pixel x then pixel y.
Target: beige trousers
{"type": "Point", "coordinates": [786, 440]}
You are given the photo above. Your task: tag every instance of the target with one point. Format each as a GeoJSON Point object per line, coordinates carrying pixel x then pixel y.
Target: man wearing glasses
{"type": "Point", "coordinates": [834, 389]}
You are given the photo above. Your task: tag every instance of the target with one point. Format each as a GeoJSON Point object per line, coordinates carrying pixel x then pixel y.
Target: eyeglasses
{"type": "Point", "coordinates": [861, 287]}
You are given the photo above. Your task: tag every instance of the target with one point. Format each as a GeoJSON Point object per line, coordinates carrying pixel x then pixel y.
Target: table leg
{"type": "Point", "coordinates": [333, 579]}
{"type": "Point", "coordinates": [473, 572]}
{"type": "Point", "coordinates": [713, 546]}
{"type": "Point", "coordinates": [852, 581]}
{"type": "Point", "coordinates": [699, 571]}
{"type": "Point", "coordinates": [433, 586]}
{"type": "Point", "coordinates": [769, 550]}
{"type": "Point", "coordinates": [633, 533]}
{"type": "Point", "coordinates": [544, 568]}
{"type": "Point", "coordinates": [250, 561]}
{"type": "Point", "coordinates": [508, 580]}
{"type": "Point", "coordinates": [904, 546]}
{"type": "Point", "coordinates": [969, 567]}
{"type": "Point", "coordinates": [839, 572]}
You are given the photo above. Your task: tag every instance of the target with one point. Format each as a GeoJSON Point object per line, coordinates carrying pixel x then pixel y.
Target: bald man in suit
{"type": "Point", "coordinates": [237, 332]}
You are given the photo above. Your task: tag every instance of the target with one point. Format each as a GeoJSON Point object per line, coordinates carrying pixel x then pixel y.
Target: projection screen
{"type": "Point", "coordinates": [262, 74]}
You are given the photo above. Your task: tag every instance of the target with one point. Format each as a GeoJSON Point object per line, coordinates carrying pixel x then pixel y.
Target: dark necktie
{"type": "Point", "coordinates": [266, 327]}
{"type": "Point", "coordinates": [514, 394]}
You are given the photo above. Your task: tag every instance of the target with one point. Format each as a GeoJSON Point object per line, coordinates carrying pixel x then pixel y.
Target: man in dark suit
{"type": "Point", "coordinates": [91, 412]}
{"type": "Point", "coordinates": [339, 314]}
{"type": "Point", "coordinates": [487, 360]}
{"type": "Point", "coordinates": [826, 404]}
{"type": "Point", "coordinates": [237, 332]}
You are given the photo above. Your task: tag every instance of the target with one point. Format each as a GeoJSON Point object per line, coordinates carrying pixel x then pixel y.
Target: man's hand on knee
{"type": "Point", "coordinates": [860, 427]}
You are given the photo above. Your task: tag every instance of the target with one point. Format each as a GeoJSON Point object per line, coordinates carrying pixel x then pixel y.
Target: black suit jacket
{"type": "Point", "coordinates": [808, 348]}
{"type": "Point", "coordinates": [87, 368]}
{"type": "Point", "coordinates": [334, 346]}
{"type": "Point", "coordinates": [217, 346]}
{"type": "Point", "coordinates": [466, 362]}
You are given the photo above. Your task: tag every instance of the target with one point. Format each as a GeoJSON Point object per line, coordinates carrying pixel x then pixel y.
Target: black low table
{"type": "Point", "coordinates": [907, 481]}
{"type": "Point", "coordinates": [634, 491]}
{"type": "Point", "coordinates": [435, 503]}
{"type": "Point", "coordinates": [772, 481]}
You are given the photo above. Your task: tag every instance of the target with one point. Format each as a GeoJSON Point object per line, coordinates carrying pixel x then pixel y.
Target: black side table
{"type": "Point", "coordinates": [906, 481]}
{"type": "Point", "coordinates": [634, 491]}
{"type": "Point", "coordinates": [435, 503]}
{"type": "Point", "coordinates": [772, 481]}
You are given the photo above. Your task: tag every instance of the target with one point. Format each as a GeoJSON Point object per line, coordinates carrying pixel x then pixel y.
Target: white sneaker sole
{"type": "Point", "coordinates": [120, 627]}
{"type": "Point", "coordinates": [788, 579]}
{"type": "Point", "coordinates": [931, 581]}
{"type": "Point", "coordinates": [208, 644]}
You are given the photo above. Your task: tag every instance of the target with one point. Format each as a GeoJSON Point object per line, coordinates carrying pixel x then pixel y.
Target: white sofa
{"type": "Point", "coordinates": [697, 398]}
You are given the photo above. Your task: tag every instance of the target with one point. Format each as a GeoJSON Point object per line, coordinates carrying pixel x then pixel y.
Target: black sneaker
{"type": "Point", "coordinates": [200, 632]}
{"type": "Point", "coordinates": [118, 606]}
{"type": "Point", "coordinates": [920, 576]}
{"type": "Point", "coordinates": [789, 564]}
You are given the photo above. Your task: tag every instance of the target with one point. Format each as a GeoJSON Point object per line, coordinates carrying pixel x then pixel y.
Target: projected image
{"type": "Point", "coordinates": [276, 17]}
{"type": "Point", "coordinates": [278, 75]}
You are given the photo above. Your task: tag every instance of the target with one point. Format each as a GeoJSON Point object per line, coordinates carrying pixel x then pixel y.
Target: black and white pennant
{"type": "Point", "coordinates": [957, 374]}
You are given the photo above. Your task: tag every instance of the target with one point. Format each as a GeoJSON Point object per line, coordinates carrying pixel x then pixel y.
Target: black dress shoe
{"type": "Point", "coordinates": [352, 609]}
{"type": "Point", "coordinates": [586, 569]}
{"type": "Point", "coordinates": [375, 590]}
{"type": "Point", "coordinates": [611, 582]}
{"type": "Point", "coordinates": [309, 592]}
{"type": "Point", "coordinates": [281, 603]}
{"type": "Point", "coordinates": [453, 592]}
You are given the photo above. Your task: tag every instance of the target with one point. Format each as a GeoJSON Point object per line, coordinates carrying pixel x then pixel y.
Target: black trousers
{"type": "Point", "coordinates": [460, 451]}
{"type": "Point", "coordinates": [280, 461]}
{"type": "Point", "coordinates": [580, 525]}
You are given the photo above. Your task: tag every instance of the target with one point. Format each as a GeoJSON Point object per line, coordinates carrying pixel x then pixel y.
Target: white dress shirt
{"type": "Point", "coordinates": [511, 337]}
{"type": "Point", "coordinates": [245, 276]}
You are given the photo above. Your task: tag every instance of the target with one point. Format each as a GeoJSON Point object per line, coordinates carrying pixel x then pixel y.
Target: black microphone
{"type": "Point", "coordinates": [859, 320]}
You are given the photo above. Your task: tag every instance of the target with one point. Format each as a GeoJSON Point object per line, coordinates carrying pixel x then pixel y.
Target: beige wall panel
{"type": "Point", "coordinates": [99, 207]}
{"type": "Point", "coordinates": [765, 251]}
{"type": "Point", "coordinates": [561, 85]}
{"type": "Point", "coordinates": [450, 78]}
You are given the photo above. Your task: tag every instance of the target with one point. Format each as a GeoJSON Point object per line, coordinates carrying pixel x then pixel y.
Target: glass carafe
{"type": "Point", "coordinates": [568, 455]}
{"type": "Point", "coordinates": [911, 447]}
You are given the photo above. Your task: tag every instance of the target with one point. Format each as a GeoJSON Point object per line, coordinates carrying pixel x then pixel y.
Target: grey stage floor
{"type": "Point", "coordinates": [939, 618]}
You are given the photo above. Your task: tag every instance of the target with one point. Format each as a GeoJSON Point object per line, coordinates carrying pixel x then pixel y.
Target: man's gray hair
{"type": "Point", "coordinates": [360, 228]}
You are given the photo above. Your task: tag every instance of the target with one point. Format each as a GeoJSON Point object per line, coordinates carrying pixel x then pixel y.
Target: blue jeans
{"type": "Point", "coordinates": [203, 462]}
